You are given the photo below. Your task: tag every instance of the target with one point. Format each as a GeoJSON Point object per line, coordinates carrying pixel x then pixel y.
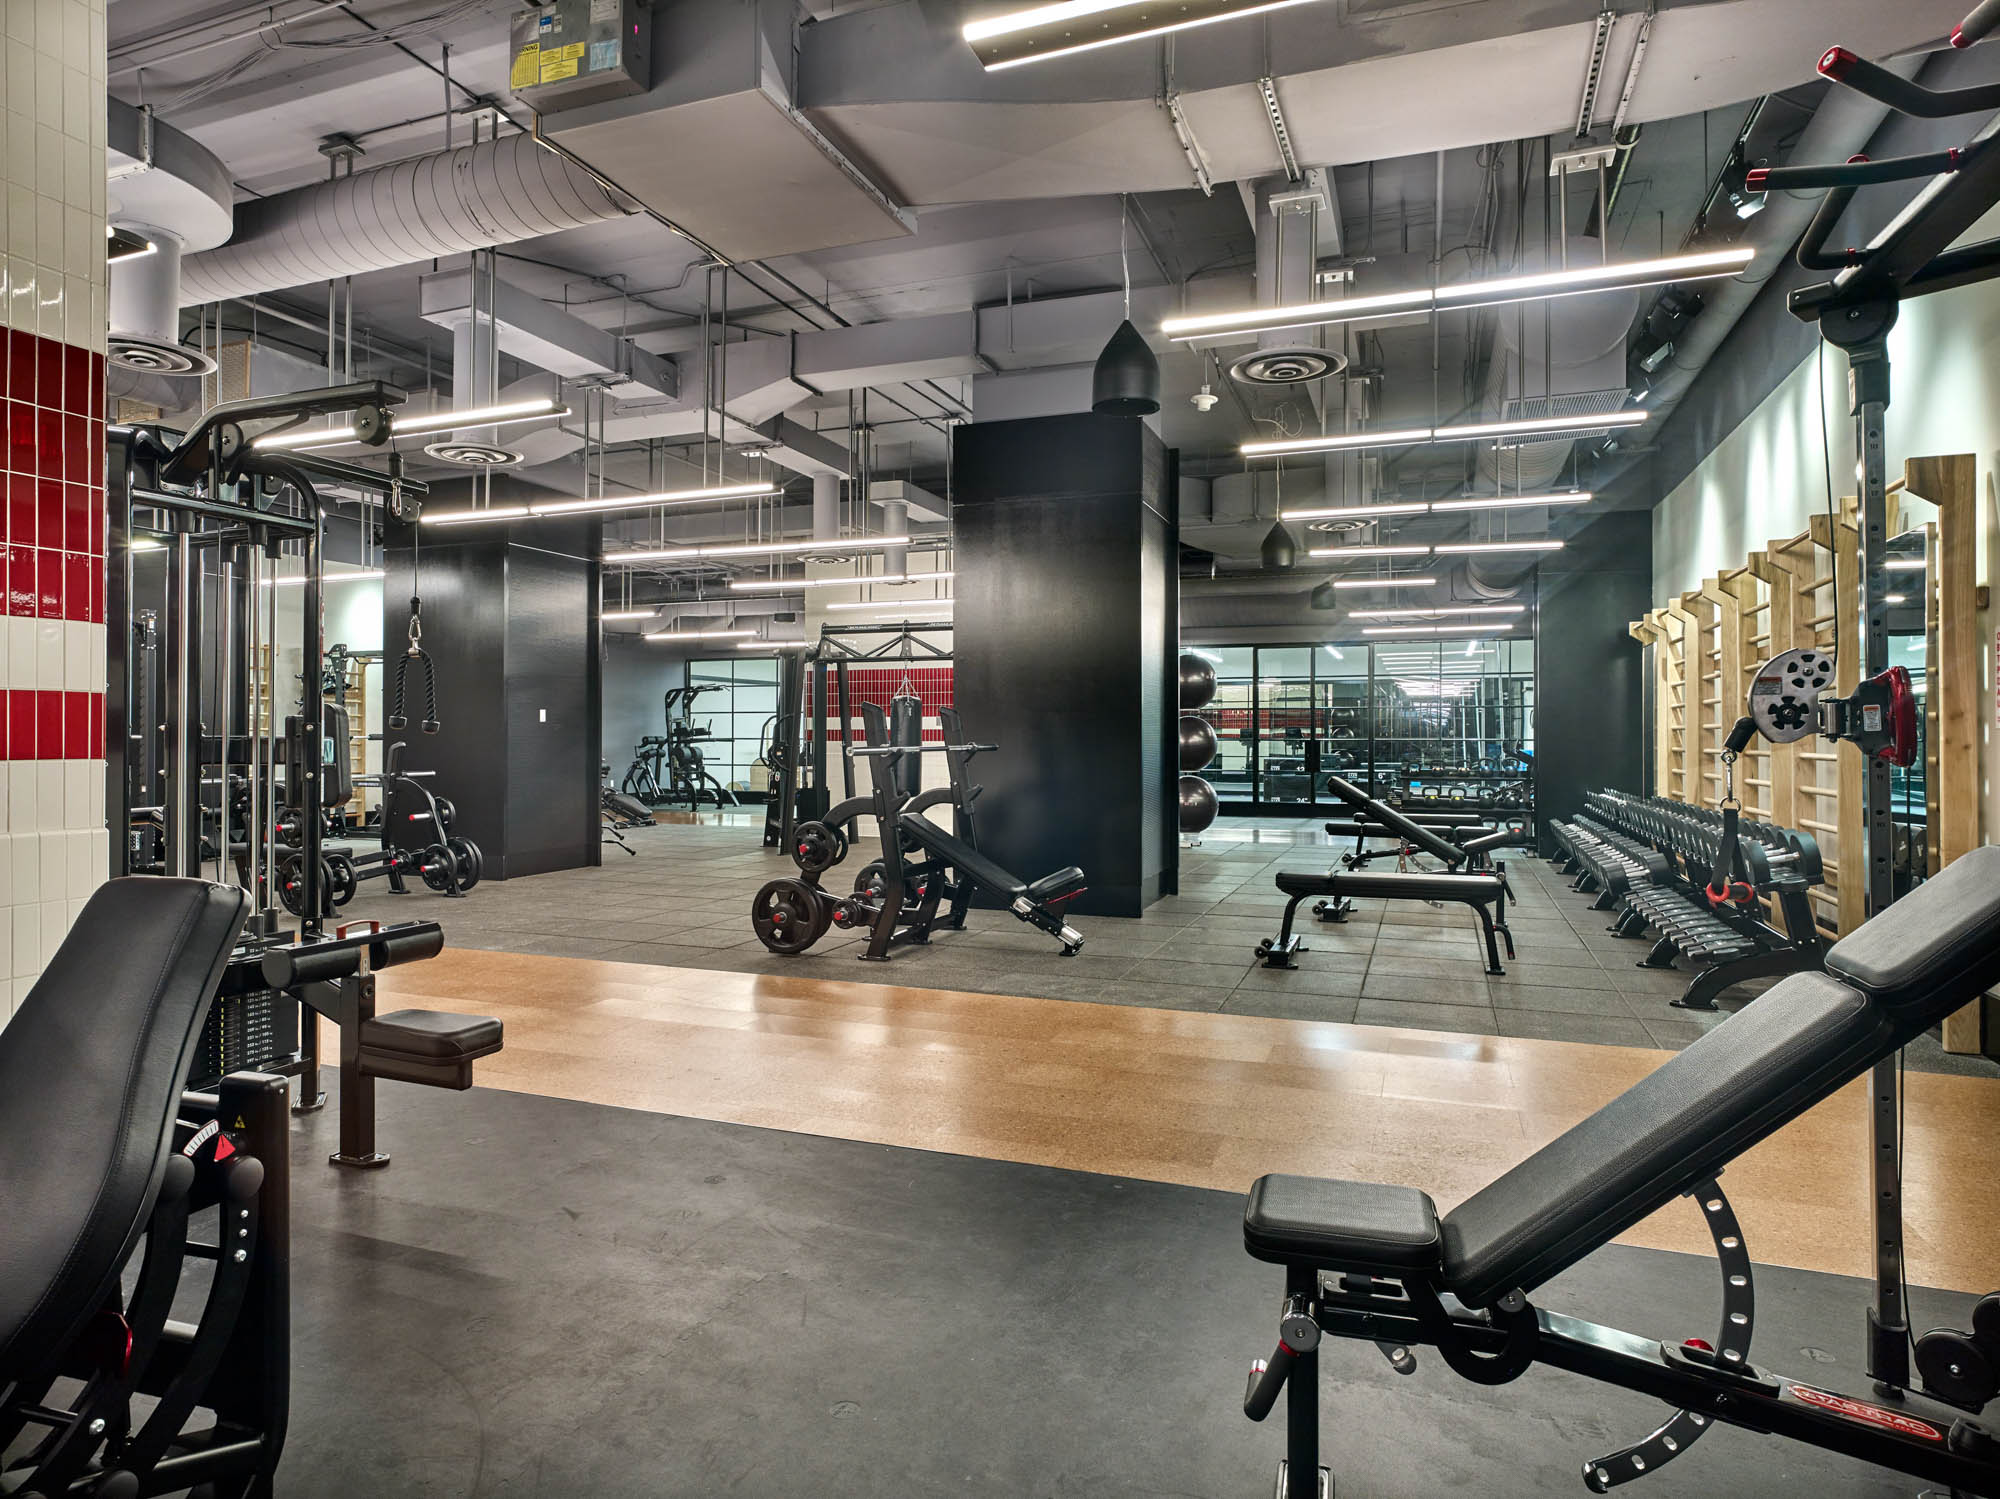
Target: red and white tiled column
{"type": "Point", "coordinates": [52, 320]}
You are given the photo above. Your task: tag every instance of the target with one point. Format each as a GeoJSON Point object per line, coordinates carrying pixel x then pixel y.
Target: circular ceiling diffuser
{"type": "Point", "coordinates": [151, 356]}
{"type": "Point", "coordinates": [471, 454]}
{"type": "Point", "coordinates": [1299, 365]}
{"type": "Point", "coordinates": [1338, 527]}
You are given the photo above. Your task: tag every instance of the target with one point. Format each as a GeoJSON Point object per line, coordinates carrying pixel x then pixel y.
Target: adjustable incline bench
{"type": "Point", "coordinates": [99, 1147]}
{"type": "Point", "coordinates": [1485, 892]}
{"type": "Point", "coordinates": [1378, 1264]}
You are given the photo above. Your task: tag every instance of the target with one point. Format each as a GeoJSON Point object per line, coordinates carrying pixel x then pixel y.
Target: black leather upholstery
{"type": "Point", "coordinates": [1391, 884]}
{"type": "Point", "coordinates": [1388, 816]}
{"type": "Point", "coordinates": [1486, 843]}
{"type": "Point", "coordinates": [1065, 881]}
{"type": "Point", "coordinates": [1901, 955]}
{"type": "Point", "coordinates": [1354, 1225]}
{"type": "Point", "coordinates": [962, 856]}
{"type": "Point", "coordinates": [91, 1072]}
{"type": "Point", "coordinates": [432, 1033]}
{"type": "Point", "coordinates": [1759, 1069]}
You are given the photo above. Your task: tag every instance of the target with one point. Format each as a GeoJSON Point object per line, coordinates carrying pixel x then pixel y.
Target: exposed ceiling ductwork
{"type": "Point", "coordinates": [468, 198]}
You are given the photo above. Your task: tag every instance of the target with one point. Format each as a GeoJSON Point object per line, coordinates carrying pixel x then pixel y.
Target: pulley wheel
{"type": "Point", "coordinates": [789, 916]}
{"type": "Point", "coordinates": [471, 863]}
{"type": "Point", "coordinates": [439, 867]}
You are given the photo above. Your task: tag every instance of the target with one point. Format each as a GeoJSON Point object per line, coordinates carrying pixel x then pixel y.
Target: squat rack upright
{"type": "Point", "coordinates": [1855, 309]}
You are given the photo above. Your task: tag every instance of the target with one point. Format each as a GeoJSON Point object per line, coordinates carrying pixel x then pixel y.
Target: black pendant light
{"type": "Point", "coordinates": [1126, 381]}
{"type": "Point", "coordinates": [1279, 550]}
{"type": "Point", "coordinates": [1323, 597]}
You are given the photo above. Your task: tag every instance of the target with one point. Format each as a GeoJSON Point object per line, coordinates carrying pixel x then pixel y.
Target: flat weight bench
{"type": "Point", "coordinates": [1379, 1264]}
{"type": "Point", "coordinates": [1485, 893]}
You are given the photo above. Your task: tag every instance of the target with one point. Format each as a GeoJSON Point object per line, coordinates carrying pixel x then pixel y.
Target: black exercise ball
{"type": "Point", "coordinates": [1197, 742]}
{"type": "Point", "coordinates": [1197, 682]}
{"type": "Point", "coordinates": [1198, 805]}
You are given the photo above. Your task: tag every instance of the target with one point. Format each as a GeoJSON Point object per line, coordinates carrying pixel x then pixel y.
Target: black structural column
{"type": "Point", "coordinates": [1589, 672]}
{"type": "Point", "coordinates": [1065, 647]}
{"type": "Point", "coordinates": [511, 624]}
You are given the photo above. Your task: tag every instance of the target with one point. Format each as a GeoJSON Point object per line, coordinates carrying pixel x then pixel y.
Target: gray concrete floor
{"type": "Point", "coordinates": [682, 898]}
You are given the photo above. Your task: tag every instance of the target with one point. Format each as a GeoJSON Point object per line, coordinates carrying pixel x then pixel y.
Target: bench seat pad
{"type": "Point", "coordinates": [431, 1033]}
{"type": "Point", "coordinates": [1390, 884]}
{"type": "Point", "coordinates": [1349, 1225]}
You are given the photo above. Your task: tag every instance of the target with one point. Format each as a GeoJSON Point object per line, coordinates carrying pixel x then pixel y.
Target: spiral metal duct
{"type": "Point", "coordinates": [468, 198]}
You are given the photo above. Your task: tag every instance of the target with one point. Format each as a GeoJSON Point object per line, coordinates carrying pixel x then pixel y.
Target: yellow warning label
{"type": "Point", "coordinates": [527, 66]}
{"type": "Point", "coordinates": [558, 65]}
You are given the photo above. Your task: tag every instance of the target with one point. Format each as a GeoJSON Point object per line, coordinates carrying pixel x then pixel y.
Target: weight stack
{"type": "Point", "coordinates": [245, 1032]}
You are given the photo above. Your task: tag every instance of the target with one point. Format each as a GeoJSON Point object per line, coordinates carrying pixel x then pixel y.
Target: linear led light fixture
{"type": "Point", "coordinates": [1406, 582]}
{"type": "Point", "coordinates": [785, 585]}
{"type": "Point", "coordinates": [761, 549]}
{"type": "Point", "coordinates": [1394, 549]}
{"type": "Point", "coordinates": [1412, 437]}
{"type": "Point", "coordinates": [603, 502]}
{"type": "Point", "coordinates": [1062, 30]}
{"type": "Point", "coordinates": [770, 645]}
{"type": "Point", "coordinates": [1703, 265]}
{"type": "Point", "coordinates": [1903, 565]}
{"type": "Point", "coordinates": [700, 635]}
{"type": "Point", "coordinates": [1437, 613]}
{"type": "Point", "coordinates": [1428, 507]}
{"type": "Point", "coordinates": [625, 614]}
{"type": "Point", "coordinates": [506, 413]}
{"type": "Point", "coordinates": [298, 580]}
{"type": "Point", "coordinates": [913, 604]}
{"type": "Point", "coordinates": [1491, 548]}
{"type": "Point", "coordinates": [1436, 629]}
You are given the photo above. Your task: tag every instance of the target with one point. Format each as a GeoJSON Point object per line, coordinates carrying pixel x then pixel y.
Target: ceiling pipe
{"type": "Point", "coordinates": [1841, 127]}
{"type": "Point", "coordinates": [494, 192]}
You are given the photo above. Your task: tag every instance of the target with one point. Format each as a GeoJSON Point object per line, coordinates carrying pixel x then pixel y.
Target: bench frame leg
{"type": "Point", "coordinates": [1488, 929]}
{"type": "Point", "coordinates": [357, 1087]}
{"type": "Point", "coordinates": [1707, 986]}
{"type": "Point", "coordinates": [1279, 951]}
{"type": "Point", "coordinates": [1301, 1476]}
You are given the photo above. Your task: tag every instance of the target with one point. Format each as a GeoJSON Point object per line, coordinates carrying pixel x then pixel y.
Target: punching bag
{"type": "Point", "coordinates": [906, 730]}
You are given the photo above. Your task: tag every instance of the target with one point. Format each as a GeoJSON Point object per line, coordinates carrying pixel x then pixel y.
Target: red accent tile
{"type": "Point", "coordinates": [21, 366]}
{"type": "Point", "coordinates": [48, 514]}
{"type": "Point", "coordinates": [80, 587]}
{"type": "Point", "coordinates": [48, 583]}
{"type": "Point", "coordinates": [94, 471]}
{"type": "Point", "coordinates": [97, 521]}
{"type": "Point", "coordinates": [48, 374]}
{"type": "Point", "coordinates": [48, 725]}
{"type": "Point", "coordinates": [76, 517]}
{"type": "Point", "coordinates": [20, 437]}
{"type": "Point", "coordinates": [97, 383]}
{"type": "Point", "coordinates": [98, 745]}
{"type": "Point", "coordinates": [76, 724]}
{"type": "Point", "coordinates": [21, 581]}
{"type": "Point", "coordinates": [48, 442]}
{"type": "Point", "coordinates": [76, 448]}
{"type": "Point", "coordinates": [76, 380]}
{"type": "Point", "coordinates": [21, 510]}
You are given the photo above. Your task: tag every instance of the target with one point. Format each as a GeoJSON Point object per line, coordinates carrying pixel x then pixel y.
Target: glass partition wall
{"type": "Point", "coordinates": [1423, 721]}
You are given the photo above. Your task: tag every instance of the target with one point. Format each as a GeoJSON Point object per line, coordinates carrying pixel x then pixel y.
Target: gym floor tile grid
{"type": "Point", "coordinates": [546, 1299]}
{"type": "Point", "coordinates": [682, 899]}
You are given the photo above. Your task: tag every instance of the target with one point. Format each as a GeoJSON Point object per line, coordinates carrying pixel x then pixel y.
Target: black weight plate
{"type": "Point", "coordinates": [439, 867]}
{"type": "Point", "coordinates": [340, 878]}
{"type": "Point", "coordinates": [788, 916]}
{"type": "Point", "coordinates": [470, 865]}
{"type": "Point", "coordinates": [447, 813]}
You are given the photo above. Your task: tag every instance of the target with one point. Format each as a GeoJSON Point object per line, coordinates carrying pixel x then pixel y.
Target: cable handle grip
{"type": "Point", "coordinates": [1745, 728]}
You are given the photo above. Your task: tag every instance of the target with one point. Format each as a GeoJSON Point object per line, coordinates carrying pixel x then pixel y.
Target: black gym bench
{"type": "Point", "coordinates": [335, 977]}
{"type": "Point", "coordinates": [1379, 1264]}
{"type": "Point", "coordinates": [100, 1146]}
{"type": "Point", "coordinates": [1033, 901]}
{"type": "Point", "coordinates": [1485, 891]}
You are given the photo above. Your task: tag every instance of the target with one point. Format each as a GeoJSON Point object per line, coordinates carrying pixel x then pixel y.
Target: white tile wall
{"type": "Point", "coordinates": [53, 845]}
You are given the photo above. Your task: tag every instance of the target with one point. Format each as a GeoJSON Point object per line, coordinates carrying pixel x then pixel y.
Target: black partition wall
{"type": "Point", "coordinates": [512, 629]}
{"type": "Point", "coordinates": [1065, 637]}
